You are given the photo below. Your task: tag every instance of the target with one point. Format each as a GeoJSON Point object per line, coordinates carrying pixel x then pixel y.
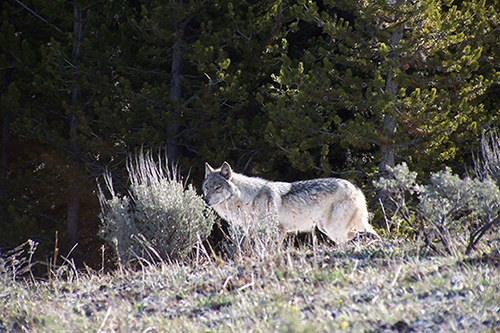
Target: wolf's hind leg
{"type": "Point", "coordinates": [337, 222]}
{"type": "Point", "coordinates": [346, 219]}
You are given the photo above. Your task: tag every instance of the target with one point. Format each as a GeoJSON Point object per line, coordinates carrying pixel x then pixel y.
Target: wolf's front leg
{"type": "Point", "coordinates": [281, 236]}
{"type": "Point", "coordinates": [265, 207]}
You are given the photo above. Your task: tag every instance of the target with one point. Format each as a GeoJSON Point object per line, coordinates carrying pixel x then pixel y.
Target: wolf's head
{"type": "Point", "coordinates": [217, 185]}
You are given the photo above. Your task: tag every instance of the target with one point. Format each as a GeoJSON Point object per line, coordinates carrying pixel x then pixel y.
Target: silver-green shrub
{"type": "Point", "coordinates": [455, 211]}
{"type": "Point", "coordinates": [451, 205]}
{"type": "Point", "coordinates": [488, 163]}
{"type": "Point", "coordinates": [160, 218]}
{"type": "Point", "coordinates": [400, 185]}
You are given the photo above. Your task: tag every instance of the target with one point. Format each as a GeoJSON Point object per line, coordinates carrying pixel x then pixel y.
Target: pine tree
{"type": "Point", "coordinates": [89, 82]}
{"type": "Point", "coordinates": [222, 48]}
{"type": "Point", "coordinates": [20, 193]}
{"type": "Point", "coordinates": [58, 77]}
{"type": "Point", "coordinates": [383, 80]}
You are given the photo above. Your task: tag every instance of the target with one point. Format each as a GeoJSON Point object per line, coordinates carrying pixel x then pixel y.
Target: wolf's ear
{"type": "Point", "coordinates": [208, 169]}
{"type": "Point", "coordinates": [225, 170]}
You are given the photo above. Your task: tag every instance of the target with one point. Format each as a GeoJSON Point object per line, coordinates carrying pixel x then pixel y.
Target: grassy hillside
{"type": "Point", "coordinates": [382, 286]}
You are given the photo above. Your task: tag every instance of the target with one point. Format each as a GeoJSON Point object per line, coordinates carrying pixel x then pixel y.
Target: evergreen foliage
{"type": "Point", "coordinates": [383, 80]}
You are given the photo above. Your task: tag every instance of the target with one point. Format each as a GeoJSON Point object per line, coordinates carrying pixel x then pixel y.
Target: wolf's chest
{"type": "Point", "coordinates": [236, 211]}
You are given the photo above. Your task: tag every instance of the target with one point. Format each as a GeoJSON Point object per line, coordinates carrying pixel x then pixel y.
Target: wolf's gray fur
{"type": "Point", "coordinates": [334, 205]}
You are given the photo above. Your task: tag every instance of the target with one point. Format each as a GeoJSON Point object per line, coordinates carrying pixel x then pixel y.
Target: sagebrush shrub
{"type": "Point", "coordinates": [400, 185]}
{"type": "Point", "coordinates": [488, 163]}
{"type": "Point", "coordinates": [452, 210]}
{"type": "Point", "coordinates": [159, 219]}
{"type": "Point", "coordinates": [453, 206]}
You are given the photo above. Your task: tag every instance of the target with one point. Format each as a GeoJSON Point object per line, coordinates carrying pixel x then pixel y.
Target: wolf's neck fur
{"type": "Point", "coordinates": [246, 188]}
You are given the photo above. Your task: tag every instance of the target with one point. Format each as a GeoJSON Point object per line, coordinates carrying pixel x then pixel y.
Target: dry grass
{"type": "Point", "coordinates": [379, 287]}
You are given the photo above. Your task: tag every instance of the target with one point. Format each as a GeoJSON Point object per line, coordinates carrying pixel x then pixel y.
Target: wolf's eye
{"type": "Point", "coordinates": [218, 187]}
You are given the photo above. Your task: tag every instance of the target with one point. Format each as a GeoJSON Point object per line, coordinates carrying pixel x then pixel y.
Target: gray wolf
{"type": "Point", "coordinates": [334, 205]}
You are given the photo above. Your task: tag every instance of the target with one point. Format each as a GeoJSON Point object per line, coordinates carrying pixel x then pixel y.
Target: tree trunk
{"type": "Point", "coordinates": [388, 149]}
{"type": "Point", "coordinates": [74, 187]}
{"type": "Point", "coordinates": [73, 216]}
{"type": "Point", "coordinates": [4, 159]}
{"type": "Point", "coordinates": [389, 127]}
{"type": "Point", "coordinates": [175, 96]}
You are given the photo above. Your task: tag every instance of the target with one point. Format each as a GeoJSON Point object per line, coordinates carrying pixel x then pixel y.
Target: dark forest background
{"type": "Point", "coordinates": [285, 90]}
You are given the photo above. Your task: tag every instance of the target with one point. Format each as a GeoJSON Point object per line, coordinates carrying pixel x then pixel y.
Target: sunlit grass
{"type": "Point", "coordinates": [380, 286]}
